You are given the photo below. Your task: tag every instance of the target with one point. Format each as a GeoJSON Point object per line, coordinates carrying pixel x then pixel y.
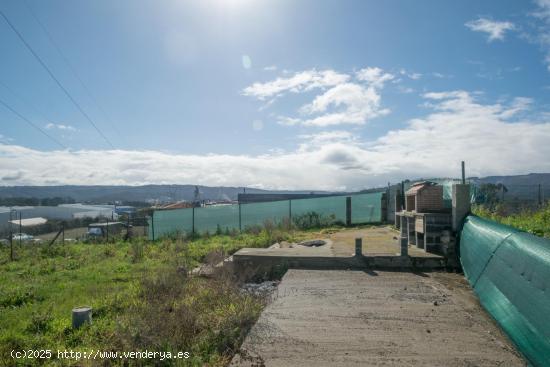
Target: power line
{"type": "Point", "coordinates": [71, 68]}
{"type": "Point", "coordinates": [25, 101]}
{"type": "Point", "coordinates": [31, 123]}
{"type": "Point", "coordinates": [55, 79]}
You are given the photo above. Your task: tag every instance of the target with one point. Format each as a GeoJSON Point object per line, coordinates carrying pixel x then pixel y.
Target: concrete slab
{"type": "Point", "coordinates": [356, 318]}
{"type": "Point", "coordinates": [376, 240]}
{"type": "Point", "coordinates": [379, 252]}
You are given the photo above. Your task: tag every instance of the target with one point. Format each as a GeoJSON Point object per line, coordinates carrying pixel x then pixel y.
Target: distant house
{"type": "Point", "coordinates": [60, 212]}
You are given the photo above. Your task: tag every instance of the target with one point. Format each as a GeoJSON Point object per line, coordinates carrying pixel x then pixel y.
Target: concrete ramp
{"type": "Point", "coordinates": [375, 318]}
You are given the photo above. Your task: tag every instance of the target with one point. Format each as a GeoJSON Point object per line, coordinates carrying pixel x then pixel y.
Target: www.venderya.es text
{"type": "Point", "coordinates": [96, 354]}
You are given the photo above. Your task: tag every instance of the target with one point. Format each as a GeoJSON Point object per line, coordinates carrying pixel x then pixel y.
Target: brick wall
{"type": "Point", "coordinates": [429, 198]}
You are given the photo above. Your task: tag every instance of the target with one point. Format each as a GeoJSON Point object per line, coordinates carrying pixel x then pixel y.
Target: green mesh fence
{"type": "Point", "coordinates": [510, 272]}
{"type": "Point", "coordinates": [209, 219]}
{"type": "Point", "coordinates": [254, 214]}
{"type": "Point", "coordinates": [365, 208]}
{"type": "Point", "coordinates": [171, 222]}
{"type": "Point", "coordinates": [332, 206]}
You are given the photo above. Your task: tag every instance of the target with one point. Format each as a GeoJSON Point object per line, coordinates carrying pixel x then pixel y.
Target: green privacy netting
{"type": "Point", "coordinates": [365, 208]}
{"type": "Point", "coordinates": [210, 218]}
{"type": "Point", "coordinates": [328, 206]}
{"type": "Point", "coordinates": [254, 214]}
{"type": "Point", "coordinates": [167, 222]}
{"type": "Point", "coordinates": [510, 272]}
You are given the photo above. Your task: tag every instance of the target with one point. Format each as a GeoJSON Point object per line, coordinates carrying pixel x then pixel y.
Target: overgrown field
{"type": "Point", "coordinates": [535, 221]}
{"type": "Point", "coordinates": [141, 296]}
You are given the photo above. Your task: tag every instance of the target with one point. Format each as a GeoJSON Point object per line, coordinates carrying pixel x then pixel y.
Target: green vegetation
{"type": "Point", "coordinates": [313, 220]}
{"type": "Point", "coordinates": [535, 221]}
{"type": "Point", "coordinates": [141, 296]}
{"type": "Point", "coordinates": [32, 201]}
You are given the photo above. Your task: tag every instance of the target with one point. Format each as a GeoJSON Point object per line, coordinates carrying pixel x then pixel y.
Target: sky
{"type": "Point", "coordinates": [325, 95]}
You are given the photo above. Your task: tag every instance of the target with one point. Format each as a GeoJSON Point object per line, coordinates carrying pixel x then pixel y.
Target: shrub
{"type": "Point", "coordinates": [18, 297]}
{"type": "Point", "coordinates": [312, 220]}
{"type": "Point", "coordinates": [208, 317]}
{"type": "Point", "coordinates": [136, 251]}
{"type": "Point", "coordinates": [40, 322]}
{"type": "Point", "coordinates": [535, 221]}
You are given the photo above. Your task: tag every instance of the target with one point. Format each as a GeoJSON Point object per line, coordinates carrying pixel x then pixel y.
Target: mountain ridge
{"type": "Point", "coordinates": [110, 193]}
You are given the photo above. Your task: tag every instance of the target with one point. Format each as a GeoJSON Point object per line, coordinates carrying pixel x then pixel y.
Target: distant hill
{"type": "Point", "coordinates": [522, 187]}
{"type": "Point", "coordinates": [530, 179]}
{"type": "Point", "coordinates": [165, 193]}
{"type": "Point", "coordinates": [105, 194]}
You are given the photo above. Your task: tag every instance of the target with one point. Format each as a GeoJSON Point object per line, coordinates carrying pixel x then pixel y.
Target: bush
{"type": "Point", "coordinates": [312, 220]}
{"type": "Point", "coordinates": [136, 251]}
{"type": "Point", "coordinates": [535, 221]}
{"type": "Point", "coordinates": [40, 322]}
{"type": "Point", "coordinates": [207, 317]}
{"type": "Point", "coordinates": [18, 297]}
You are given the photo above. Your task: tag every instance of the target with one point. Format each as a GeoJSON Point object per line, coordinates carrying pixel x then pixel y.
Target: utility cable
{"type": "Point", "coordinates": [31, 123]}
{"type": "Point", "coordinates": [55, 79]}
{"type": "Point", "coordinates": [71, 68]}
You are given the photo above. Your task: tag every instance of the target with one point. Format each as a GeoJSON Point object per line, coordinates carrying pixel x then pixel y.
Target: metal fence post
{"type": "Point", "coordinates": [11, 237]}
{"type": "Point", "coordinates": [384, 207]}
{"type": "Point", "coordinates": [290, 213]}
{"type": "Point", "coordinates": [402, 195]}
{"type": "Point", "coordinates": [240, 219]}
{"type": "Point", "coordinates": [193, 221]}
{"type": "Point", "coordinates": [358, 247]}
{"type": "Point", "coordinates": [20, 228]}
{"type": "Point", "coordinates": [348, 211]}
{"type": "Point", "coordinates": [153, 224]}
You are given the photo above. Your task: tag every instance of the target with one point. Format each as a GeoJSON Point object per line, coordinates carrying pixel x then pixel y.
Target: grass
{"type": "Point", "coordinates": [140, 295]}
{"type": "Point", "coordinates": [535, 221]}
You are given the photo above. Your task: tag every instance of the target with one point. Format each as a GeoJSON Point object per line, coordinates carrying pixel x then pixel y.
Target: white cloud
{"type": "Point", "coordinates": [299, 82]}
{"type": "Point", "coordinates": [374, 76]}
{"type": "Point", "coordinates": [405, 90]}
{"type": "Point", "coordinates": [543, 10]}
{"type": "Point", "coordinates": [411, 75]}
{"type": "Point", "coordinates": [347, 103]}
{"type": "Point", "coordinates": [491, 138]}
{"type": "Point", "coordinates": [519, 104]}
{"type": "Point", "coordinates": [496, 30]}
{"type": "Point", "coordinates": [441, 75]}
{"type": "Point", "coordinates": [51, 126]}
{"type": "Point", "coordinates": [270, 68]}
{"type": "Point", "coordinates": [325, 137]}
{"type": "Point", "coordinates": [340, 101]}
{"type": "Point", "coordinates": [288, 121]}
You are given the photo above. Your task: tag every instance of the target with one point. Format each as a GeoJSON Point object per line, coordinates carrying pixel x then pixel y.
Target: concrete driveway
{"type": "Point", "coordinates": [356, 318]}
